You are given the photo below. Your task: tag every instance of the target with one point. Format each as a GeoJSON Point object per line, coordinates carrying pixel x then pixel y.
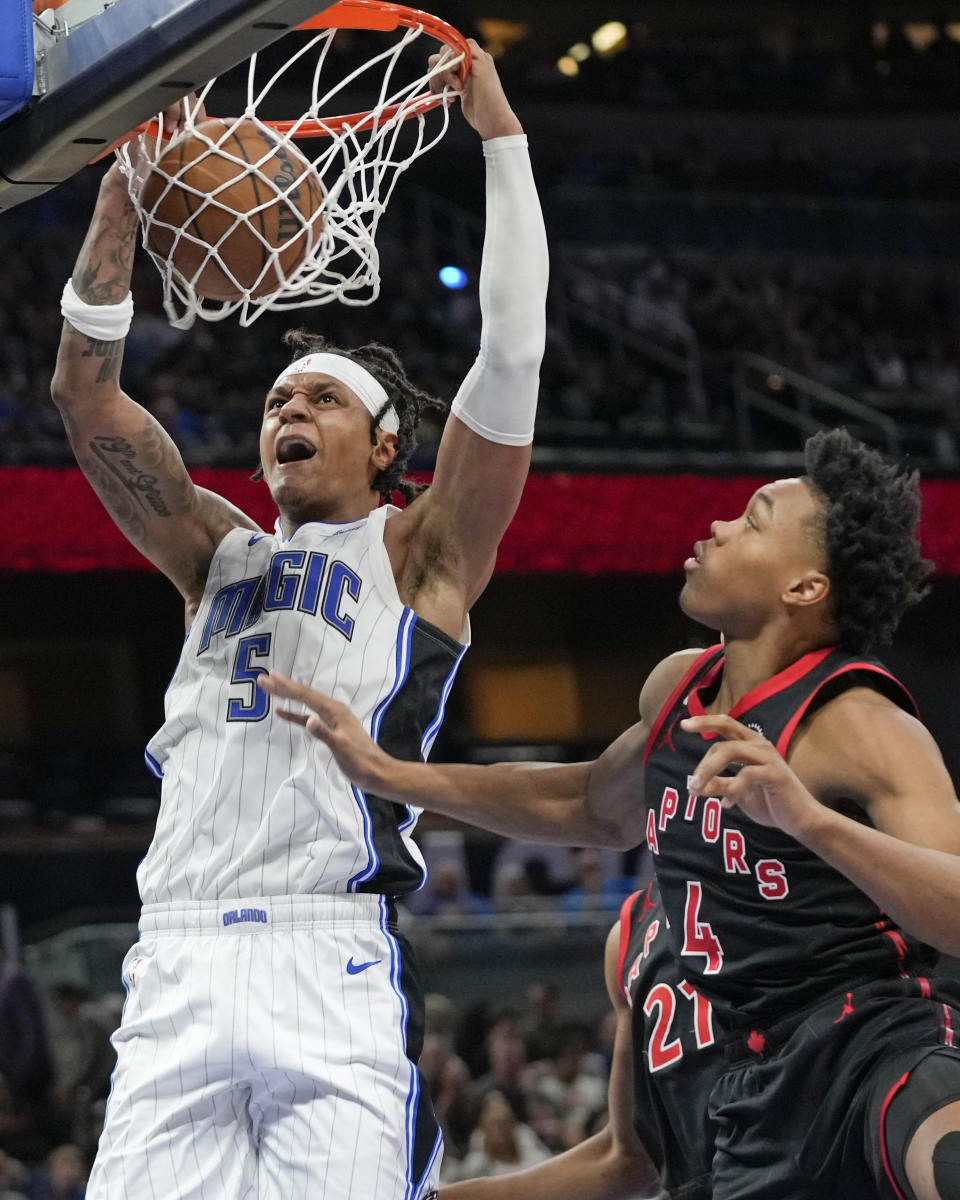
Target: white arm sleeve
{"type": "Point", "coordinates": [498, 398]}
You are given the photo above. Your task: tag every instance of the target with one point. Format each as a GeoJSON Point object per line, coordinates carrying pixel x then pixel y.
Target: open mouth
{"type": "Point", "coordinates": [294, 449]}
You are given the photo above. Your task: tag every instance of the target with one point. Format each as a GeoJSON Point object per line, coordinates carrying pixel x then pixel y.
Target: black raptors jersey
{"type": "Point", "coordinates": [675, 1053]}
{"type": "Point", "coordinates": [759, 923]}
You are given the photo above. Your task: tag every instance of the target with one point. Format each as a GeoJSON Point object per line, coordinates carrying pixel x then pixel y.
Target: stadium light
{"type": "Point", "coordinates": [920, 34]}
{"type": "Point", "coordinates": [610, 37]}
{"type": "Point", "coordinates": [568, 66]}
{"type": "Point", "coordinates": [454, 278]}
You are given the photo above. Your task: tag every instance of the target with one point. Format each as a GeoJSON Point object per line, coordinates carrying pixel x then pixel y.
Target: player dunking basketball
{"type": "Point", "coordinates": [807, 861]}
{"type": "Point", "coordinates": [274, 1015]}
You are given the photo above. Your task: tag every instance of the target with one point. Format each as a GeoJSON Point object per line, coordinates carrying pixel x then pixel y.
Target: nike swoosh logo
{"type": "Point", "coordinates": [355, 968]}
{"type": "Point", "coordinates": [257, 537]}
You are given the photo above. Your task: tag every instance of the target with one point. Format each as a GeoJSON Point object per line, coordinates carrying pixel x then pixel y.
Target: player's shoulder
{"type": "Point", "coordinates": [861, 712]}
{"type": "Point", "coordinates": [220, 516]}
{"type": "Point", "coordinates": [662, 681]}
{"type": "Point", "coordinates": [859, 741]}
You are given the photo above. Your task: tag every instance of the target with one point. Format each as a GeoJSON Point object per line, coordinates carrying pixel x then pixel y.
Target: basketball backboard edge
{"type": "Point", "coordinates": [124, 66]}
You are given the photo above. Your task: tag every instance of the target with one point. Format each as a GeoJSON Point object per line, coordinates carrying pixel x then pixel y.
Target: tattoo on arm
{"type": "Point", "coordinates": [102, 273]}
{"type": "Point", "coordinates": [110, 352]}
{"type": "Point", "coordinates": [137, 479]}
{"type": "Point", "coordinates": [116, 498]}
{"type": "Point", "coordinates": [118, 457]}
{"type": "Point", "coordinates": [102, 276]}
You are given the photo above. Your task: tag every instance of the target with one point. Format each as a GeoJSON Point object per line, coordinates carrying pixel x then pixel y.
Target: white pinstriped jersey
{"type": "Point", "coordinates": [251, 805]}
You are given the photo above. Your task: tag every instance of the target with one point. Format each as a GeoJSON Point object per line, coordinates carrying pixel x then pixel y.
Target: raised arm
{"type": "Point", "coordinates": [484, 454]}
{"type": "Point", "coordinates": [130, 460]}
{"type": "Point", "coordinates": [611, 1165]}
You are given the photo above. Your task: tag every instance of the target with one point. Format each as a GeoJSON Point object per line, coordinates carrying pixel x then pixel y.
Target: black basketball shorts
{"type": "Point", "coordinates": [803, 1115]}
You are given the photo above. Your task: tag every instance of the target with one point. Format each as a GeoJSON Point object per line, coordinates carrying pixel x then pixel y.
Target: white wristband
{"type": "Point", "coordinates": [103, 322]}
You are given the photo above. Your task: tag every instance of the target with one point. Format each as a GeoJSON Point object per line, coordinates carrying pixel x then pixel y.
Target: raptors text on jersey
{"type": "Point", "coordinates": [761, 925]}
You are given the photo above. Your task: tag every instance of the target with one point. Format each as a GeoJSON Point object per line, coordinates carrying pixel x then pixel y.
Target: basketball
{"type": "Point", "coordinates": [221, 200]}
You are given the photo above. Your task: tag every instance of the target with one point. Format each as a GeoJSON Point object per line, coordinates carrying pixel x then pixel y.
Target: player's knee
{"type": "Point", "coordinates": [946, 1166]}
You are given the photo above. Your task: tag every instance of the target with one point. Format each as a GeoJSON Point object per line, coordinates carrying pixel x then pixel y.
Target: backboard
{"type": "Point", "coordinates": [120, 67]}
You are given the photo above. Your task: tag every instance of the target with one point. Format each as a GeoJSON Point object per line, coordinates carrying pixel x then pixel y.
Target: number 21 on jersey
{"type": "Point", "coordinates": [662, 1050]}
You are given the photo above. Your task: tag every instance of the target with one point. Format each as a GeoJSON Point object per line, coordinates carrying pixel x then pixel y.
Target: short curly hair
{"type": "Point", "coordinates": [868, 532]}
{"type": "Point", "coordinates": [408, 402]}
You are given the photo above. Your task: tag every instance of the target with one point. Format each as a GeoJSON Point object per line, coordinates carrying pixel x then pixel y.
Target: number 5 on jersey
{"type": "Point", "coordinates": [253, 704]}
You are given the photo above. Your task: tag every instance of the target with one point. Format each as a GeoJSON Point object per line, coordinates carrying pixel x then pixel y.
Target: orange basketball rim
{"type": "Point", "coordinates": [358, 14]}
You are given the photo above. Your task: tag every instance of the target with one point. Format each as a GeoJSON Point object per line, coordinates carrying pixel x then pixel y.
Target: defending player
{"type": "Point", "coordinates": [803, 916]}
{"type": "Point", "coordinates": [665, 1061]}
{"type": "Point", "coordinates": [274, 1017]}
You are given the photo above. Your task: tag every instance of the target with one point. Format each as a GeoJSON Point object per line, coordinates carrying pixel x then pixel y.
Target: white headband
{"type": "Point", "coordinates": [358, 379]}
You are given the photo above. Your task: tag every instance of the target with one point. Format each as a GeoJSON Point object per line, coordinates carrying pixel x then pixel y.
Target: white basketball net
{"type": "Point", "coordinates": [357, 172]}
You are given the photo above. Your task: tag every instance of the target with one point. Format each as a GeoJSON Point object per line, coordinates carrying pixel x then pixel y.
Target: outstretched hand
{"type": "Point", "coordinates": [356, 753]}
{"type": "Point", "coordinates": [174, 117]}
{"type": "Point", "coordinates": [172, 122]}
{"type": "Point", "coordinates": [482, 97]}
{"type": "Point", "coordinates": [765, 788]}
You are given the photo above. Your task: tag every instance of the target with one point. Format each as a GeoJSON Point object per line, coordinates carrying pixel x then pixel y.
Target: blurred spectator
{"type": "Point", "coordinates": [82, 1054]}
{"type": "Point", "coordinates": [24, 1053]}
{"type": "Point", "coordinates": [540, 1025]}
{"type": "Point", "coordinates": [501, 1143]}
{"type": "Point", "coordinates": [446, 1074]}
{"type": "Point", "coordinates": [440, 1016]}
{"type": "Point", "coordinates": [470, 1037]}
{"type": "Point", "coordinates": [205, 386]}
{"type": "Point", "coordinates": [541, 879]}
{"type": "Point", "coordinates": [447, 893]}
{"type": "Point", "coordinates": [480, 852]}
{"type": "Point", "coordinates": [25, 1068]}
{"type": "Point", "coordinates": [506, 1065]}
{"type": "Point", "coordinates": [513, 891]}
{"type": "Point", "coordinates": [13, 1175]}
{"type": "Point", "coordinates": [937, 376]}
{"type": "Point", "coordinates": [448, 1079]}
{"type": "Point", "coordinates": [593, 891]}
{"type": "Point", "coordinates": [886, 365]}
{"type": "Point", "coordinates": [567, 1091]}
{"type": "Point", "coordinates": [64, 1176]}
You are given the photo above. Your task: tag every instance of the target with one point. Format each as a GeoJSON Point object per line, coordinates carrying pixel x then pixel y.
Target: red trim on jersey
{"type": "Point", "coordinates": [762, 691]}
{"type": "Point", "coordinates": [947, 1025]}
{"type": "Point", "coordinates": [883, 1133]}
{"type": "Point", "coordinates": [901, 947]}
{"type": "Point", "coordinates": [924, 987]}
{"type": "Point", "coordinates": [784, 740]}
{"type": "Point", "coordinates": [675, 696]}
{"type": "Point", "coordinates": [625, 915]}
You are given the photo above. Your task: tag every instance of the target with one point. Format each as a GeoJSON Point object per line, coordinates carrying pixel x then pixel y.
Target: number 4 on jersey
{"type": "Point", "coordinates": [698, 937]}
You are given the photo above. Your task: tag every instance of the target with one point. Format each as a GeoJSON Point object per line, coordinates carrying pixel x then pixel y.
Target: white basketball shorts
{"type": "Point", "coordinates": [267, 1051]}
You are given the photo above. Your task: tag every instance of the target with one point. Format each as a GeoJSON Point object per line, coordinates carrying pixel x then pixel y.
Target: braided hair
{"type": "Point", "coordinates": [867, 531]}
{"type": "Point", "coordinates": [406, 400]}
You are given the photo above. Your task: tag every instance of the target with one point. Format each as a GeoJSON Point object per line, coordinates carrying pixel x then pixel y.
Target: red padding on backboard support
{"type": "Point", "coordinates": [571, 524]}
